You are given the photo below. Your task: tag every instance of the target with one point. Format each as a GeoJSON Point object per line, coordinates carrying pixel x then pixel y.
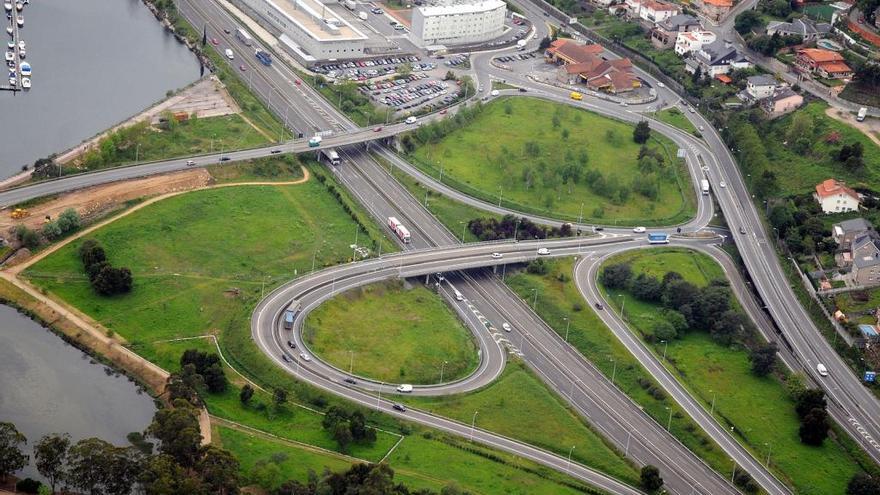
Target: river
{"type": "Point", "coordinates": [47, 385]}
{"type": "Point", "coordinates": [95, 63]}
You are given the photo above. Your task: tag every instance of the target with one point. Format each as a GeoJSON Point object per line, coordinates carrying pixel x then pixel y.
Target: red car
{"type": "Point", "coordinates": [298, 82]}
{"type": "Point", "coordinates": [443, 112]}
{"type": "Point", "coordinates": [214, 41]}
{"type": "Point", "coordinates": [242, 67]}
{"type": "Point", "coordinates": [377, 129]}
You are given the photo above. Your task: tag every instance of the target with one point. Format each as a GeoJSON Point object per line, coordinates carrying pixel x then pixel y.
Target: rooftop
{"type": "Point", "coordinates": [830, 187]}
{"type": "Point", "coordinates": [317, 20]}
{"type": "Point", "coordinates": [462, 8]}
{"type": "Point", "coordinates": [719, 3]}
{"type": "Point", "coordinates": [761, 80]}
{"type": "Point", "coordinates": [853, 225]}
{"type": "Point", "coordinates": [819, 55]}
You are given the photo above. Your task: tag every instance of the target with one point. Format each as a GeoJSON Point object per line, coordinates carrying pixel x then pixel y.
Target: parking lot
{"type": "Point", "coordinates": [415, 91]}
{"type": "Point", "coordinates": [517, 57]}
{"type": "Point", "coordinates": [362, 70]}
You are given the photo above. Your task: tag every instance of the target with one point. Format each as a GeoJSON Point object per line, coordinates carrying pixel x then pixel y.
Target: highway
{"type": "Point", "coordinates": [568, 374]}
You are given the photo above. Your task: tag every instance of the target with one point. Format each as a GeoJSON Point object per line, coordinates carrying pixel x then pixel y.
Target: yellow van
{"type": "Point", "coordinates": [576, 96]}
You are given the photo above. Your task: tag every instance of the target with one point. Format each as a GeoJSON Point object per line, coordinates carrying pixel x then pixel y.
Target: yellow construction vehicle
{"type": "Point", "coordinates": [19, 213]}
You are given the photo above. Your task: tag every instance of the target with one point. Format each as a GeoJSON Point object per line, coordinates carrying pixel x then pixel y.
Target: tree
{"type": "Point", "coordinates": [219, 470]}
{"type": "Point", "coordinates": [545, 43]}
{"type": "Point", "coordinates": [162, 475]}
{"type": "Point", "coordinates": [68, 220]}
{"type": "Point", "coordinates": [727, 327]}
{"type": "Point", "coordinates": [711, 302]}
{"type": "Point", "coordinates": [177, 429]}
{"type": "Point", "coordinates": [863, 484]}
{"type": "Point", "coordinates": [50, 456]}
{"type": "Point", "coordinates": [801, 126]}
{"type": "Point", "coordinates": [763, 357]}
{"type": "Point", "coordinates": [814, 427]}
{"type": "Point", "coordinates": [279, 396]}
{"type": "Point", "coordinates": [809, 399]}
{"type": "Point", "coordinates": [679, 293]}
{"type": "Point", "coordinates": [642, 132]}
{"type": "Point", "coordinates": [246, 393]}
{"type": "Point", "coordinates": [746, 21]}
{"type": "Point", "coordinates": [215, 379]}
{"type": "Point", "coordinates": [111, 281]}
{"type": "Point", "coordinates": [342, 435]}
{"type": "Point", "coordinates": [98, 468]}
{"type": "Point", "coordinates": [616, 276]}
{"type": "Point", "coordinates": [650, 478]}
{"type": "Point", "coordinates": [647, 288]}
{"type": "Point", "coordinates": [11, 457]}
{"type": "Point", "coordinates": [663, 330]}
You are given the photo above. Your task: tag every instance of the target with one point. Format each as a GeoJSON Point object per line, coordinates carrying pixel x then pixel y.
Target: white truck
{"type": "Point", "coordinates": [362, 16]}
{"type": "Point", "coordinates": [704, 187]}
{"type": "Point", "coordinates": [350, 4]}
{"type": "Point", "coordinates": [521, 45]}
{"type": "Point", "coordinates": [398, 229]}
{"type": "Point", "coordinates": [863, 112]}
{"type": "Point", "coordinates": [244, 37]}
{"type": "Point", "coordinates": [332, 156]}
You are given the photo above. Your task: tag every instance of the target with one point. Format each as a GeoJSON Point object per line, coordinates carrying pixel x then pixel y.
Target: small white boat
{"type": "Point", "coordinates": [22, 53]}
{"type": "Point", "coordinates": [21, 44]}
{"type": "Point", "coordinates": [20, 21]}
{"type": "Point", "coordinates": [13, 81]}
{"type": "Point", "coordinates": [10, 56]}
{"type": "Point", "coordinates": [10, 45]}
{"type": "Point", "coordinates": [19, 6]}
{"type": "Point", "coordinates": [25, 69]}
{"type": "Point", "coordinates": [26, 82]}
{"type": "Point", "coordinates": [9, 30]}
{"type": "Point", "coordinates": [7, 6]}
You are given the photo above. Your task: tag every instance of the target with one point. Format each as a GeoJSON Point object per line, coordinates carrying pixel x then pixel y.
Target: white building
{"type": "Point", "coordinates": [761, 86]}
{"type": "Point", "coordinates": [458, 24]}
{"type": "Point", "coordinates": [651, 10]}
{"type": "Point", "coordinates": [311, 30]}
{"type": "Point", "coordinates": [835, 197]}
{"type": "Point", "coordinates": [692, 41]}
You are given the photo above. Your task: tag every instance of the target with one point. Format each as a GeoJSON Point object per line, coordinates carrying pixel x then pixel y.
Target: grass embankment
{"type": "Point", "coordinates": [393, 334]}
{"type": "Point", "coordinates": [759, 408]}
{"type": "Point", "coordinates": [675, 117]}
{"type": "Point", "coordinates": [556, 160]}
{"type": "Point", "coordinates": [282, 169]}
{"type": "Point", "coordinates": [518, 405]}
{"type": "Point", "coordinates": [558, 298]}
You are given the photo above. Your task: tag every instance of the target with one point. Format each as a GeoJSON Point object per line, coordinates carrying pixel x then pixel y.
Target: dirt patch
{"type": "Point", "coordinates": [95, 201]}
{"type": "Point", "coordinates": [869, 127]}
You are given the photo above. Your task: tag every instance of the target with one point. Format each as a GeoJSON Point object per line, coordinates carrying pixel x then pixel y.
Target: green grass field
{"type": "Point", "coordinates": [488, 158]}
{"type": "Point", "coordinates": [558, 298]}
{"type": "Point", "coordinates": [283, 169]}
{"type": "Point", "coordinates": [759, 408]}
{"type": "Point", "coordinates": [674, 116]}
{"type": "Point", "coordinates": [392, 333]}
{"type": "Point", "coordinates": [518, 405]}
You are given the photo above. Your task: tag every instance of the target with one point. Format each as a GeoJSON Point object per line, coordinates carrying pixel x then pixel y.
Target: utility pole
{"type": "Point", "coordinates": [473, 422]}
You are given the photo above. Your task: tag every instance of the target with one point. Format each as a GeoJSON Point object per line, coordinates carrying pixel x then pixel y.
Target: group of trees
{"type": "Point", "coordinates": [199, 372]}
{"type": "Point", "coordinates": [768, 45]}
{"type": "Point", "coordinates": [492, 229]}
{"type": "Point", "coordinates": [811, 409]}
{"type": "Point", "coordinates": [685, 306]}
{"type": "Point", "coordinates": [348, 427]}
{"type": "Point", "coordinates": [360, 479]}
{"type": "Point", "coordinates": [106, 279]}
{"type": "Point", "coordinates": [438, 129]}
{"type": "Point", "coordinates": [641, 132]}
{"type": "Point", "coordinates": [67, 222]}
{"type": "Point", "coordinates": [851, 156]}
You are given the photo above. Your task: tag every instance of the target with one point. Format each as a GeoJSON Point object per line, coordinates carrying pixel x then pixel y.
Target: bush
{"type": "Point", "coordinates": [616, 276]}
{"type": "Point", "coordinates": [650, 478]}
{"type": "Point", "coordinates": [105, 279]}
{"type": "Point", "coordinates": [28, 485]}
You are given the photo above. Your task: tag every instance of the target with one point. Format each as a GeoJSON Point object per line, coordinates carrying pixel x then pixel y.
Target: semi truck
{"type": "Point", "coordinates": [263, 57]}
{"type": "Point", "coordinates": [398, 228]}
{"type": "Point", "coordinates": [350, 4]}
{"type": "Point", "coordinates": [704, 187]}
{"type": "Point", "coordinates": [332, 156]}
{"type": "Point", "coordinates": [290, 314]}
{"type": "Point", "coordinates": [244, 37]}
{"type": "Point", "coordinates": [863, 112]}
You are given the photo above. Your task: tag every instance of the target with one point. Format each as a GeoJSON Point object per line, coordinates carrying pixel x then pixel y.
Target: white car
{"type": "Point", "coordinates": [822, 369]}
{"type": "Point", "coordinates": [404, 388]}
{"type": "Point", "coordinates": [229, 54]}
{"type": "Point", "coordinates": [497, 256]}
{"type": "Point", "coordinates": [506, 327]}
{"type": "Point", "coordinates": [305, 357]}
{"type": "Point", "coordinates": [495, 92]}
{"type": "Point", "coordinates": [543, 251]}
{"type": "Point", "coordinates": [639, 230]}
{"type": "Point", "coordinates": [722, 184]}
{"type": "Point", "coordinates": [410, 120]}
{"type": "Point", "coordinates": [661, 85]}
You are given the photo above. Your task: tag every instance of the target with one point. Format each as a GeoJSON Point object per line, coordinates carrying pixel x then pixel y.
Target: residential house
{"type": "Point", "coordinates": [843, 234]}
{"type": "Point", "coordinates": [866, 259]}
{"type": "Point", "coordinates": [610, 76]}
{"type": "Point", "coordinates": [822, 63]}
{"type": "Point", "coordinates": [567, 51]}
{"type": "Point", "coordinates": [761, 86]}
{"type": "Point", "coordinates": [782, 101]}
{"type": "Point", "coordinates": [716, 58]}
{"type": "Point", "coordinates": [805, 29]}
{"type": "Point", "coordinates": [714, 9]}
{"type": "Point", "coordinates": [835, 197]}
{"type": "Point", "coordinates": [665, 32]}
{"type": "Point", "coordinates": [651, 11]}
{"type": "Point", "coordinates": [692, 41]}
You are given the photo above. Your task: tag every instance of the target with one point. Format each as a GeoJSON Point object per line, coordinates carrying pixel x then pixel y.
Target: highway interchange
{"type": "Point", "coordinates": [436, 250]}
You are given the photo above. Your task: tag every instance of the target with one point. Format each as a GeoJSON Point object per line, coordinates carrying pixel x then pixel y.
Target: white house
{"type": "Point", "coordinates": [715, 59]}
{"type": "Point", "coordinates": [651, 10]}
{"type": "Point", "coordinates": [760, 87]}
{"type": "Point", "coordinates": [692, 41]}
{"type": "Point", "coordinates": [835, 197]}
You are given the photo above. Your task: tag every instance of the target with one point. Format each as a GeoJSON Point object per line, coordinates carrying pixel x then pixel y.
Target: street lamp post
{"type": "Point", "coordinates": [665, 346]}
{"type": "Point", "coordinates": [350, 362]}
{"type": "Point", "coordinates": [473, 422]}
{"type": "Point", "coordinates": [568, 464]}
{"type": "Point", "coordinates": [769, 450]}
{"type": "Point", "coordinates": [463, 225]}
{"type": "Point", "coordinates": [535, 300]}
{"type": "Point", "coordinates": [567, 326]}
{"type": "Point", "coordinates": [628, 436]}
{"type": "Point", "coordinates": [669, 422]}
{"type": "Point", "coordinates": [712, 411]}
{"type": "Point", "coordinates": [500, 194]}
{"type": "Point", "coordinates": [379, 397]}
{"type": "Point", "coordinates": [441, 370]}
{"type": "Point", "coordinates": [622, 304]}
{"type": "Point", "coordinates": [614, 370]}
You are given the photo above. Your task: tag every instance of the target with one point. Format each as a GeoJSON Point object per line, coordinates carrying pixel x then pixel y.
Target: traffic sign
{"type": "Point", "coordinates": [870, 376]}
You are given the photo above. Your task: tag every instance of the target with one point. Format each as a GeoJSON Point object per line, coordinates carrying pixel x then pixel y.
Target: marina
{"type": "Point", "coordinates": [19, 71]}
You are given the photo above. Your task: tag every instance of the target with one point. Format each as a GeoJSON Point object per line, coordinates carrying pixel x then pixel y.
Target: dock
{"type": "Point", "coordinates": [11, 22]}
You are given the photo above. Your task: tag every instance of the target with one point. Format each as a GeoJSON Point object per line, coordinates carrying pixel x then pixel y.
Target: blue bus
{"type": "Point", "coordinates": [658, 238]}
{"type": "Point", "coordinates": [290, 314]}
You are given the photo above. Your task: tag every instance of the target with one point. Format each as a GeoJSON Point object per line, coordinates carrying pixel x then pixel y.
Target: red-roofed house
{"type": "Point", "coordinates": [714, 9]}
{"type": "Point", "coordinates": [835, 197]}
{"type": "Point", "coordinates": [651, 10]}
{"type": "Point", "coordinates": [610, 76]}
{"type": "Point", "coordinates": [823, 63]}
{"type": "Point", "coordinates": [566, 51]}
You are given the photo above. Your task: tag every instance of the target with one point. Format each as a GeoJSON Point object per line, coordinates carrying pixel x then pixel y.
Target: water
{"type": "Point", "coordinates": [47, 386]}
{"type": "Point", "coordinates": [95, 63]}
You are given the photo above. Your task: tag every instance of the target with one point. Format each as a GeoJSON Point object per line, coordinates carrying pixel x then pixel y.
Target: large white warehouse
{"type": "Point", "coordinates": [458, 24]}
{"type": "Point", "coordinates": [310, 29]}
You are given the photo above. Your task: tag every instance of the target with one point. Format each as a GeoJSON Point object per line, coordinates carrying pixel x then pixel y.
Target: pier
{"type": "Point", "coordinates": [11, 15]}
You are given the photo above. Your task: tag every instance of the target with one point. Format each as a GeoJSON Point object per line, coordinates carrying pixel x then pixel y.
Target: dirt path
{"type": "Point", "coordinates": [871, 128]}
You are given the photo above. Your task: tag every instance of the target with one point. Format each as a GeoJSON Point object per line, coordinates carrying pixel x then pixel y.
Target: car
{"type": "Point", "coordinates": [543, 251]}
{"type": "Point", "coordinates": [624, 104]}
{"type": "Point", "coordinates": [404, 388]}
{"type": "Point", "coordinates": [506, 327]}
{"type": "Point", "coordinates": [242, 67]}
{"type": "Point", "coordinates": [377, 129]}
{"type": "Point", "coordinates": [410, 120]}
{"type": "Point", "coordinates": [227, 31]}
{"type": "Point", "coordinates": [399, 407]}
{"type": "Point", "coordinates": [598, 229]}
{"type": "Point", "coordinates": [701, 129]}
{"type": "Point", "coordinates": [305, 357]}
{"type": "Point", "coordinates": [214, 41]}
{"type": "Point", "coordinates": [291, 344]}
{"type": "Point", "coordinates": [286, 358]}
{"type": "Point", "coordinates": [497, 256]}
{"type": "Point", "coordinates": [692, 110]}
{"type": "Point", "coordinates": [495, 92]}
{"type": "Point", "coordinates": [443, 112]}
{"type": "Point", "coordinates": [522, 90]}
{"type": "Point", "coordinates": [742, 230]}
{"type": "Point", "coordinates": [297, 82]}
{"type": "Point", "coordinates": [190, 163]}
{"type": "Point", "coordinates": [224, 158]}
{"type": "Point", "coordinates": [639, 230]}
{"type": "Point", "coordinates": [661, 85]}
{"type": "Point", "coordinates": [275, 152]}
{"type": "Point", "coordinates": [599, 306]}
{"type": "Point", "coordinates": [349, 380]}
{"type": "Point", "coordinates": [823, 371]}
{"type": "Point", "coordinates": [722, 184]}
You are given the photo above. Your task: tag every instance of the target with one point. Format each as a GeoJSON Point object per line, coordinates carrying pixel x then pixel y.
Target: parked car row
{"type": "Point", "coordinates": [406, 97]}
{"type": "Point", "coordinates": [361, 67]}
{"type": "Point", "coordinates": [392, 83]}
{"type": "Point", "coordinates": [456, 61]}
{"type": "Point", "coordinates": [518, 56]}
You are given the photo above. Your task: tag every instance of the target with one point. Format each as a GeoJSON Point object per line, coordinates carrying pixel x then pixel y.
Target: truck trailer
{"type": "Point", "coordinates": [704, 187]}
{"type": "Point", "coordinates": [350, 5]}
{"type": "Point", "coordinates": [244, 37]}
{"type": "Point", "coordinates": [398, 228]}
{"type": "Point", "coordinates": [290, 315]}
{"type": "Point", "coordinates": [332, 156]}
{"type": "Point", "coordinates": [863, 112]}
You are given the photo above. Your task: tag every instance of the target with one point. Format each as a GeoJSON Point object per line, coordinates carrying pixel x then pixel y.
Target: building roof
{"type": "Point", "coordinates": [719, 3]}
{"type": "Point", "coordinates": [717, 53]}
{"type": "Point", "coordinates": [835, 67]}
{"type": "Point", "coordinates": [678, 21]}
{"type": "Point", "coordinates": [801, 27]}
{"type": "Point", "coordinates": [461, 8]}
{"type": "Point", "coordinates": [782, 93]}
{"type": "Point", "coordinates": [724, 78]}
{"type": "Point", "coordinates": [852, 225]}
{"type": "Point", "coordinates": [830, 187]}
{"type": "Point", "coordinates": [761, 80]}
{"type": "Point", "coordinates": [819, 55]}
{"type": "Point", "coordinates": [318, 22]}
{"type": "Point", "coordinates": [866, 261]}
{"type": "Point", "coordinates": [574, 52]}
{"type": "Point", "coordinates": [659, 6]}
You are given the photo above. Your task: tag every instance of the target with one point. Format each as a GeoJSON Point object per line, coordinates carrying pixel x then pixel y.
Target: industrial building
{"type": "Point", "coordinates": [311, 30]}
{"type": "Point", "coordinates": [458, 23]}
